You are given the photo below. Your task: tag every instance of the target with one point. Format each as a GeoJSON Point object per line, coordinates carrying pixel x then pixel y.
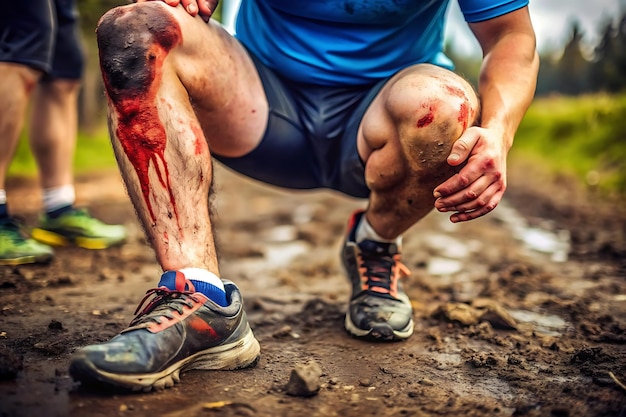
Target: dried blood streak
{"type": "Point", "coordinates": [464, 115]}
{"type": "Point", "coordinates": [140, 130]}
{"type": "Point", "coordinates": [428, 118]}
{"type": "Point", "coordinates": [464, 109]}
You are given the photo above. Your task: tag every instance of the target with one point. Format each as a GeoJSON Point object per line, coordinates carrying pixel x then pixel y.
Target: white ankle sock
{"type": "Point", "coordinates": [365, 231]}
{"type": "Point", "coordinates": [3, 196]}
{"type": "Point", "coordinates": [57, 197]}
{"type": "Point", "coordinates": [202, 275]}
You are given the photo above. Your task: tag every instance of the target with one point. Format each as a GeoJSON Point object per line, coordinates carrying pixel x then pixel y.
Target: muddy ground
{"type": "Point", "coordinates": [520, 313]}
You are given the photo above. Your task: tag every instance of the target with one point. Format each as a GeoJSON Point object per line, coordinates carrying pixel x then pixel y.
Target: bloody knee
{"type": "Point", "coordinates": [431, 107]}
{"type": "Point", "coordinates": [133, 41]}
{"type": "Point", "coordinates": [432, 102]}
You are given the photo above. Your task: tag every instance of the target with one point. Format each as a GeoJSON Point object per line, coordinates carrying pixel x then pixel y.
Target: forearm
{"type": "Point", "coordinates": [507, 84]}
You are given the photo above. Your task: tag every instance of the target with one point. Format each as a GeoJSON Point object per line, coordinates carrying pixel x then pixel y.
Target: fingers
{"type": "Point", "coordinates": [479, 185]}
{"type": "Point", "coordinates": [463, 216]}
{"type": "Point", "coordinates": [191, 6]}
{"type": "Point", "coordinates": [471, 204]}
{"type": "Point", "coordinates": [463, 146]}
{"type": "Point", "coordinates": [204, 8]}
{"type": "Point", "coordinates": [466, 179]}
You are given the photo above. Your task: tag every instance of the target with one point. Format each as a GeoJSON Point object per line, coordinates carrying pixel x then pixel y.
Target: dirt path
{"type": "Point", "coordinates": [505, 326]}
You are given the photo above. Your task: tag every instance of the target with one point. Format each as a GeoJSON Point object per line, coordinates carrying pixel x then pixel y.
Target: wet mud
{"type": "Point", "coordinates": [520, 313]}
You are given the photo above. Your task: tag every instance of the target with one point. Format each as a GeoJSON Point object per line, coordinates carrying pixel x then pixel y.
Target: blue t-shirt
{"type": "Point", "coordinates": [339, 42]}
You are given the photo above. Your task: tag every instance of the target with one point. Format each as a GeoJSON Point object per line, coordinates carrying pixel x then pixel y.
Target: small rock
{"type": "Point", "coordinates": [304, 380]}
{"type": "Point", "coordinates": [365, 382]}
{"type": "Point", "coordinates": [282, 332]}
{"type": "Point", "coordinates": [55, 325]}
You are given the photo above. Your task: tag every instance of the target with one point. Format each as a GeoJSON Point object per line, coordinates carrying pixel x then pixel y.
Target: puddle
{"type": "Point", "coordinates": [443, 266]}
{"type": "Point", "coordinates": [549, 325]}
{"type": "Point", "coordinates": [555, 244]}
{"type": "Point", "coordinates": [280, 234]}
{"type": "Point", "coordinates": [447, 360]}
{"type": "Point", "coordinates": [449, 247]}
{"type": "Point", "coordinates": [281, 254]}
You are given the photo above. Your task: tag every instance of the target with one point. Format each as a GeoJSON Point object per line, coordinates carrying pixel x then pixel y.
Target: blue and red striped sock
{"type": "Point", "coordinates": [204, 281]}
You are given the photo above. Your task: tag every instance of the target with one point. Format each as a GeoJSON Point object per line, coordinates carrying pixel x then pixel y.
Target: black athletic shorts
{"type": "Point", "coordinates": [42, 34]}
{"type": "Point", "coordinates": [310, 139]}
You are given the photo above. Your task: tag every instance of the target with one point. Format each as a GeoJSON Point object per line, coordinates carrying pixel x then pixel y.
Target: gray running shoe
{"type": "Point", "coordinates": [379, 308]}
{"type": "Point", "coordinates": [177, 331]}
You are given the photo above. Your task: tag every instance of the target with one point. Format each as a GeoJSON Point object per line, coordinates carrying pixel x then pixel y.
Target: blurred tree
{"type": "Point", "coordinates": [573, 68]}
{"type": "Point", "coordinates": [608, 71]}
{"type": "Point", "coordinates": [571, 73]}
{"type": "Point", "coordinates": [548, 77]}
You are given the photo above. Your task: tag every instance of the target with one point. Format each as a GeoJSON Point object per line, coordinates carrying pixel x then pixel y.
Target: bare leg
{"type": "Point", "coordinates": [53, 130]}
{"type": "Point", "coordinates": [16, 84]}
{"type": "Point", "coordinates": [405, 138]}
{"type": "Point", "coordinates": [177, 88]}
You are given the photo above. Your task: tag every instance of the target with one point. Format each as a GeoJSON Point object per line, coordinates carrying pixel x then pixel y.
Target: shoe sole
{"type": "Point", "coordinates": [243, 353]}
{"type": "Point", "coordinates": [27, 259]}
{"type": "Point", "coordinates": [56, 239]}
{"type": "Point", "coordinates": [380, 332]}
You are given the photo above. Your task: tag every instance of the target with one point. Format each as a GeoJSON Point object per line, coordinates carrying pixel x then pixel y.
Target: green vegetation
{"type": "Point", "coordinates": [93, 153]}
{"type": "Point", "coordinates": [583, 137]}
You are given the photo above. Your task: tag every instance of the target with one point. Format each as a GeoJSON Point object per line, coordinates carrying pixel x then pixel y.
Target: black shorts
{"type": "Point", "coordinates": [310, 139]}
{"type": "Point", "coordinates": [42, 34]}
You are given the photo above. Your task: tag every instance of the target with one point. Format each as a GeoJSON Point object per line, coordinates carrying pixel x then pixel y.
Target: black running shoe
{"type": "Point", "coordinates": [379, 308]}
{"type": "Point", "coordinates": [178, 330]}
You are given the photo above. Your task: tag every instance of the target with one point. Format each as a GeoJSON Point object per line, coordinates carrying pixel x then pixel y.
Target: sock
{"type": "Point", "coordinates": [204, 281]}
{"type": "Point", "coordinates": [4, 209]}
{"type": "Point", "coordinates": [58, 200]}
{"type": "Point", "coordinates": [365, 231]}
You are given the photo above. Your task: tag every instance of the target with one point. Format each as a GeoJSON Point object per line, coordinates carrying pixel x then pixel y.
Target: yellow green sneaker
{"type": "Point", "coordinates": [17, 249]}
{"type": "Point", "coordinates": [78, 227]}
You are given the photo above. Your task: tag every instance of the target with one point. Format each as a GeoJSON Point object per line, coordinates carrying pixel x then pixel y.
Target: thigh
{"type": "Point", "coordinates": [284, 156]}
{"type": "Point", "coordinates": [26, 33]}
{"type": "Point", "coordinates": [67, 59]}
{"type": "Point", "coordinates": [310, 138]}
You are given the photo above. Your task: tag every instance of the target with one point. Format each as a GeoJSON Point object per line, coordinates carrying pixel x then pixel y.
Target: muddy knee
{"type": "Point", "coordinates": [133, 42]}
{"type": "Point", "coordinates": [432, 107]}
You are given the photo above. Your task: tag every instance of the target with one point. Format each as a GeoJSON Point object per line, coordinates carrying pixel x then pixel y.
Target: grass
{"type": "Point", "coordinates": [93, 153]}
{"type": "Point", "coordinates": [579, 137]}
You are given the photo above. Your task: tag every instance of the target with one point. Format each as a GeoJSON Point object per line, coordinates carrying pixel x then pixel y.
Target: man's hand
{"type": "Point", "coordinates": [478, 187]}
{"type": "Point", "coordinates": [204, 8]}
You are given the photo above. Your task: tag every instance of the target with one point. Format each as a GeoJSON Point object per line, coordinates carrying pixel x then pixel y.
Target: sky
{"type": "Point", "coordinates": [551, 19]}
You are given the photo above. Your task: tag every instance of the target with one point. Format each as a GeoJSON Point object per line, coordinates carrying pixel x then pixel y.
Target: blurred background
{"type": "Point", "coordinates": [576, 127]}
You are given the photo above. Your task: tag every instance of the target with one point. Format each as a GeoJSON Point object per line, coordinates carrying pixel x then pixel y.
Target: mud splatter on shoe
{"type": "Point", "coordinates": [379, 308]}
{"type": "Point", "coordinates": [178, 330]}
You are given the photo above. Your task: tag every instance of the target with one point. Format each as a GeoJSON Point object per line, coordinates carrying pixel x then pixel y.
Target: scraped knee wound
{"type": "Point", "coordinates": [133, 42]}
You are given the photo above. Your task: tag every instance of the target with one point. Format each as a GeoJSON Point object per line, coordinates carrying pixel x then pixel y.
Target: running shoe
{"type": "Point", "coordinates": [177, 331]}
{"type": "Point", "coordinates": [379, 308]}
{"type": "Point", "coordinates": [79, 228]}
{"type": "Point", "coordinates": [17, 249]}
